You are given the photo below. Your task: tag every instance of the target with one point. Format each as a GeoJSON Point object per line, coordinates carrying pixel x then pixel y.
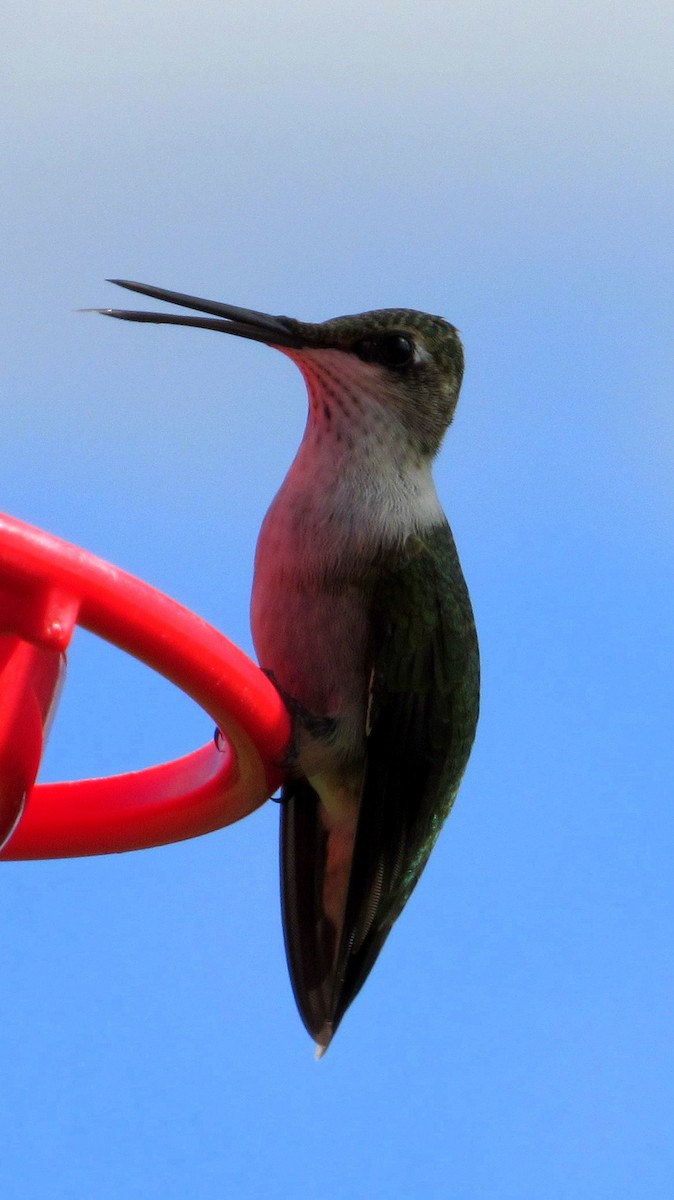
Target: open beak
{"type": "Point", "coordinates": [225, 318]}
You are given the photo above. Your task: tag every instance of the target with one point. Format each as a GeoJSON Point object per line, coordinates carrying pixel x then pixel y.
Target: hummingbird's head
{"type": "Point", "coordinates": [392, 364]}
{"type": "Point", "coordinates": [409, 362]}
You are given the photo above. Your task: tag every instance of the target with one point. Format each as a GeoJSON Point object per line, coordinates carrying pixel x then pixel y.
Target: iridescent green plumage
{"type": "Point", "coordinates": [421, 726]}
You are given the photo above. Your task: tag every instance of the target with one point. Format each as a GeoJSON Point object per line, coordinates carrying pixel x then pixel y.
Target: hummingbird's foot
{"type": "Point", "coordinates": [321, 728]}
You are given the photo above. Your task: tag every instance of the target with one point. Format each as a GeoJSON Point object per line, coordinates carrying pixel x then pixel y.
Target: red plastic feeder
{"type": "Point", "coordinates": [47, 587]}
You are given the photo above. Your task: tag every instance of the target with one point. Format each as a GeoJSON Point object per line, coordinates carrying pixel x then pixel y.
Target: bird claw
{"type": "Point", "coordinates": [318, 727]}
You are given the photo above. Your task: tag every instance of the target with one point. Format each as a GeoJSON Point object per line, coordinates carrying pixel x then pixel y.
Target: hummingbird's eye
{"type": "Point", "coordinates": [389, 349]}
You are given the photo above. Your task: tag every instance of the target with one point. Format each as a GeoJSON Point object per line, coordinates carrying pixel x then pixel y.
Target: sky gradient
{"type": "Point", "coordinates": [510, 168]}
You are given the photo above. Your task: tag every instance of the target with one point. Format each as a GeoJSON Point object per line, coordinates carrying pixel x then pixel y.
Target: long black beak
{"type": "Point", "coordinates": [225, 318]}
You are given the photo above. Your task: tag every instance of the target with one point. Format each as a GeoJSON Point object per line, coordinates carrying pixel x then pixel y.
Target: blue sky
{"type": "Point", "coordinates": [508, 166]}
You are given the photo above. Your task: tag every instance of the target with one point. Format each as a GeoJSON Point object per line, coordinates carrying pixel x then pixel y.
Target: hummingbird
{"type": "Point", "coordinates": [362, 619]}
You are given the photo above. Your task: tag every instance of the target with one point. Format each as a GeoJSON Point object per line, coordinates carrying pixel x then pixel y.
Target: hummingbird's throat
{"type": "Point", "coordinates": [348, 405]}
